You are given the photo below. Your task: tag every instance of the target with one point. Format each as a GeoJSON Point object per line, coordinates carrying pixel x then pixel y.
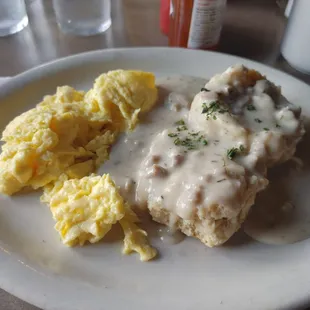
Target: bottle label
{"type": "Point", "coordinates": [206, 23]}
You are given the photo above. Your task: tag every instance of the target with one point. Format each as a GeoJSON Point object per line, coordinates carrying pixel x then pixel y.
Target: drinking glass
{"type": "Point", "coordinates": [13, 16]}
{"type": "Point", "coordinates": [295, 46]}
{"type": "Point", "coordinates": [83, 17]}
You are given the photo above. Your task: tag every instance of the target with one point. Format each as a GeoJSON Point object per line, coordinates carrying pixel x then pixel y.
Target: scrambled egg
{"type": "Point", "coordinates": [136, 240]}
{"type": "Point", "coordinates": [85, 210]}
{"type": "Point", "coordinates": [121, 95]}
{"type": "Point", "coordinates": [65, 138]}
{"type": "Point", "coordinates": [72, 131]}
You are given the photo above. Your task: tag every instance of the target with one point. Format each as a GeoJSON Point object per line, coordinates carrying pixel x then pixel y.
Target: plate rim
{"type": "Point", "coordinates": [35, 72]}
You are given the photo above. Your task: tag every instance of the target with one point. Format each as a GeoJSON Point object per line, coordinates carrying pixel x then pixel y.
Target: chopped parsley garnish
{"type": "Point", "coordinates": [220, 180]}
{"type": "Point", "coordinates": [212, 108]}
{"type": "Point", "coordinates": [177, 141]}
{"type": "Point", "coordinates": [194, 133]}
{"type": "Point", "coordinates": [257, 120]}
{"type": "Point", "coordinates": [182, 128]}
{"type": "Point", "coordinates": [231, 153]}
{"type": "Point", "coordinates": [180, 122]}
{"type": "Point", "coordinates": [250, 107]}
{"type": "Point", "coordinates": [204, 89]}
{"type": "Point", "coordinates": [266, 129]}
{"type": "Point", "coordinates": [190, 144]}
{"type": "Point", "coordinates": [192, 140]}
{"type": "Point", "coordinates": [278, 126]}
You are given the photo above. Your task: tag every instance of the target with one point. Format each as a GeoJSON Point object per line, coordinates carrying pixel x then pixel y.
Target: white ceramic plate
{"type": "Point", "coordinates": [36, 267]}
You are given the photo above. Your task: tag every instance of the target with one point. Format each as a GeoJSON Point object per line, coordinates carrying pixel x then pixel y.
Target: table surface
{"type": "Point", "coordinates": [136, 23]}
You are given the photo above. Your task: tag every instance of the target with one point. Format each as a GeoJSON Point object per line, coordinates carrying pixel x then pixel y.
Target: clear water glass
{"type": "Point", "coordinates": [83, 17]}
{"type": "Point", "coordinates": [13, 16]}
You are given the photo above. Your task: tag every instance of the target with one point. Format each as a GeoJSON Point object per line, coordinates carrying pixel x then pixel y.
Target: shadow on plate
{"type": "Point", "coordinates": [281, 214]}
{"type": "Point", "coordinates": [238, 239]}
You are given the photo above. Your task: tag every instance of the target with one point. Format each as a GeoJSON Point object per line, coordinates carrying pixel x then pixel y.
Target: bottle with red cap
{"type": "Point", "coordinates": [195, 24]}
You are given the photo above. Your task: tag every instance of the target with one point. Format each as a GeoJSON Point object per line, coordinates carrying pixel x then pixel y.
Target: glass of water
{"type": "Point", "coordinates": [13, 16]}
{"type": "Point", "coordinates": [83, 17]}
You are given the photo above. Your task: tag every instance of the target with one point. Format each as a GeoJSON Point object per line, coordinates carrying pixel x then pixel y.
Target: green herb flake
{"type": "Point", "coordinates": [172, 135]}
{"type": "Point", "coordinates": [257, 120]}
{"type": "Point", "coordinates": [204, 89]}
{"type": "Point", "coordinates": [212, 108]}
{"type": "Point", "coordinates": [250, 107]}
{"type": "Point", "coordinates": [177, 141]}
{"type": "Point", "coordinates": [192, 142]}
{"type": "Point", "coordinates": [219, 181]}
{"type": "Point", "coordinates": [194, 134]}
{"type": "Point", "coordinates": [266, 129]}
{"type": "Point", "coordinates": [180, 122]}
{"type": "Point", "coordinates": [278, 126]}
{"type": "Point", "coordinates": [182, 128]}
{"type": "Point", "coordinates": [231, 153]}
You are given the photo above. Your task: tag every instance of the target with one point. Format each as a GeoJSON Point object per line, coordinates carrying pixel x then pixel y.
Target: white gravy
{"type": "Point", "coordinates": [175, 95]}
{"type": "Point", "coordinates": [169, 236]}
{"type": "Point", "coordinates": [180, 160]}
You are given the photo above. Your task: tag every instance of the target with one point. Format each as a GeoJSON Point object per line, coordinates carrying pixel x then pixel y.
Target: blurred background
{"type": "Point", "coordinates": [251, 29]}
